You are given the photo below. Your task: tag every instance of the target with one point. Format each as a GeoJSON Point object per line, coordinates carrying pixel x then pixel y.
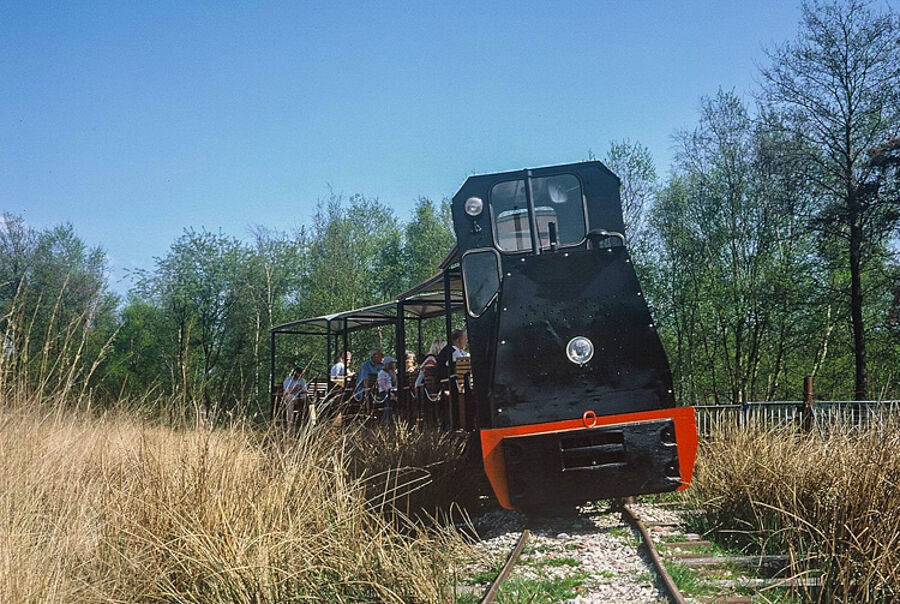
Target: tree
{"type": "Point", "coordinates": [428, 238]}
{"type": "Point", "coordinates": [197, 284]}
{"type": "Point", "coordinates": [837, 83]}
{"type": "Point", "coordinates": [634, 166]}
{"type": "Point", "coordinates": [56, 314]}
{"type": "Point", "coordinates": [731, 266]}
{"type": "Point", "coordinates": [271, 277]}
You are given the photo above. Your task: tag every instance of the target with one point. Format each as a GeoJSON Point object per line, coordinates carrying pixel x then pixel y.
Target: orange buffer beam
{"type": "Point", "coordinates": [685, 437]}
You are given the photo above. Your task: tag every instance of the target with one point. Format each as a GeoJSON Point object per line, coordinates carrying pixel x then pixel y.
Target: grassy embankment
{"type": "Point", "coordinates": [832, 502]}
{"type": "Point", "coordinates": [115, 508]}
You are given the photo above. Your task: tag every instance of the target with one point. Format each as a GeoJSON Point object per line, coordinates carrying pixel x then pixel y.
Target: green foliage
{"type": "Point", "coordinates": [56, 315]}
{"type": "Point", "coordinates": [197, 324]}
{"type": "Point", "coordinates": [633, 164]}
{"type": "Point", "coordinates": [428, 237]}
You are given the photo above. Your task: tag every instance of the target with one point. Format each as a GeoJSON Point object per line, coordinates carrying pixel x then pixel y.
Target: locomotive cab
{"type": "Point", "coordinates": [572, 386]}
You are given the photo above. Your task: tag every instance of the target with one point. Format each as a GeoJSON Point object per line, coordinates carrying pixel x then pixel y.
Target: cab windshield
{"type": "Point", "coordinates": [557, 199]}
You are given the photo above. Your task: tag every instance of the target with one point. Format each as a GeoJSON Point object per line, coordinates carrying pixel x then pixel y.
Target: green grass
{"type": "Point", "coordinates": [688, 581]}
{"type": "Point", "coordinates": [482, 577]}
{"type": "Point", "coordinates": [669, 496]}
{"type": "Point", "coordinates": [713, 548]}
{"type": "Point", "coordinates": [542, 590]}
{"type": "Point", "coordinates": [565, 561]}
{"type": "Point", "coordinates": [467, 598]}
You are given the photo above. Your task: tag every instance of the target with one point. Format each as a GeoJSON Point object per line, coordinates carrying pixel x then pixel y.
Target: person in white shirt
{"type": "Point", "coordinates": [294, 387]}
{"type": "Point", "coordinates": [460, 341]}
{"type": "Point", "coordinates": [454, 350]}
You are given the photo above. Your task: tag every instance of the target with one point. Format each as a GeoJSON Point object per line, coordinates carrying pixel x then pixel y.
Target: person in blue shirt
{"type": "Point", "coordinates": [369, 368]}
{"type": "Point", "coordinates": [341, 370]}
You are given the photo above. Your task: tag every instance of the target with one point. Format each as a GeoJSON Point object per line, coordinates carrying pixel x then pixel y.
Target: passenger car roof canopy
{"type": "Point", "coordinates": [425, 300]}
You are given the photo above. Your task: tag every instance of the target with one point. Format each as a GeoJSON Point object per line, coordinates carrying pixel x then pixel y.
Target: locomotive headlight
{"type": "Point", "coordinates": [580, 350]}
{"type": "Point", "coordinates": [474, 205]}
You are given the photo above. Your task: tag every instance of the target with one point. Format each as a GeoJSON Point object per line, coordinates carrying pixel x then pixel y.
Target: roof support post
{"type": "Point", "coordinates": [272, 373]}
{"type": "Point", "coordinates": [346, 364]}
{"type": "Point", "coordinates": [419, 349]}
{"type": "Point", "coordinates": [532, 217]}
{"type": "Point", "coordinates": [401, 354]}
{"type": "Point", "coordinates": [448, 326]}
{"type": "Point", "coordinates": [448, 323]}
{"type": "Point", "coordinates": [327, 345]}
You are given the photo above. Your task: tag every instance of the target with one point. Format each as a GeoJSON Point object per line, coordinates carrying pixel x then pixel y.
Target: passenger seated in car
{"type": "Point", "coordinates": [341, 370]}
{"type": "Point", "coordinates": [430, 360]}
{"type": "Point", "coordinates": [453, 351]}
{"type": "Point", "coordinates": [295, 390]}
{"type": "Point", "coordinates": [369, 368]}
{"type": "Point", "coordinates": [387, 377]}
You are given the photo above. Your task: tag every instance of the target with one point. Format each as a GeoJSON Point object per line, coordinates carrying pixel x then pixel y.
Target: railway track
{"type": "Point", "coordinates": [494, 589]}
{"type": "Point", "coordinates": [666, 581]}
{"type": "Point", "coordinates": [728, 586]}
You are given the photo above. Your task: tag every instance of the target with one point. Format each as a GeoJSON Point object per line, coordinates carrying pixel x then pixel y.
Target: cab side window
{"type": "Point", "coordinates": [481, 279]}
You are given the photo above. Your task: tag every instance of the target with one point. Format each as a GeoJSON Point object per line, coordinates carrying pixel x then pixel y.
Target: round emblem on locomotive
{"type": "Point", "coordinates": [580, 350]}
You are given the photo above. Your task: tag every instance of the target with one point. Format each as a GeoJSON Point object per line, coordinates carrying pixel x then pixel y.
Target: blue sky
{"type": "Point", "coordinates": [135, 120]}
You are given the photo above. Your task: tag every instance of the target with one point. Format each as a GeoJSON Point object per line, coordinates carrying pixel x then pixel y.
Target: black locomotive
{"type": "Point", "coordinates": [570, 389]}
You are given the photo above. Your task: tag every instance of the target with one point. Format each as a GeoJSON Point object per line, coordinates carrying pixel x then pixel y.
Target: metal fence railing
{"type": "Point", "coordinates": [772, 414]}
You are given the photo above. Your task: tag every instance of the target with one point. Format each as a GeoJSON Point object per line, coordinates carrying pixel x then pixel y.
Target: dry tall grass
{"type": "Point", "coordinates": [831, 501]}
{"type": "Point", "coordinates": [117, 509]}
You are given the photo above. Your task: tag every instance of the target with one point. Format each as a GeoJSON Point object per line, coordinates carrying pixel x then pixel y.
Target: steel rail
{"type": "Point", "coordinates": [668, 583]}
{"type": "Point", "coordinates": [491, 594]}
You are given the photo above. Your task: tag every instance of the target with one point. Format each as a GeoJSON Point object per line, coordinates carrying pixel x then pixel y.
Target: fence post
{"type": "Point", "coordinates": [809, 418]}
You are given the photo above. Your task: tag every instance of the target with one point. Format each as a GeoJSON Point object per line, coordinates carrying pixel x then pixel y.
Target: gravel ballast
{"type": "Point", "coordinates": [593, 557]}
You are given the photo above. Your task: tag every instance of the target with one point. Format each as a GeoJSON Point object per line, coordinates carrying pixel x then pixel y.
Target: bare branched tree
{"type": "Point", "coordinates": [839, 85]}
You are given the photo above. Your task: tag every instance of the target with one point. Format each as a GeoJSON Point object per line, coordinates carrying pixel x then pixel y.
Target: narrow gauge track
{"type": "Point", "coordinates": [665, 578]}
{"type": "Point", "coordinates": [743, 574]}
{"type": "Point", "coordinates": [668, 584]}
{"type": "Point", "coordinates": [494, 589]}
